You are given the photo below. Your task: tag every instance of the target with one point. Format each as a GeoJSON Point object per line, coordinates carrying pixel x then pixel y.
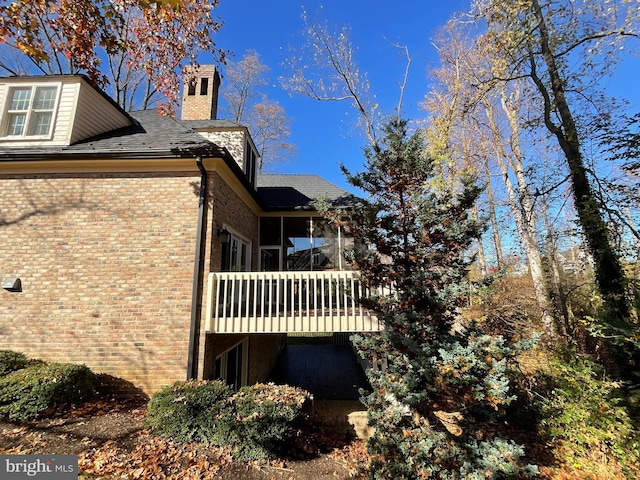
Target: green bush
{"type": "Point", "coordinates": [38, 387]}
{"type": "Point", "coordinates": [266, 415]}
{"type": "Point", "coordinates": [192, 411]}
{"type": "Point", "coordinates": [255, 421]}
{"type": "Point", "coordinates": [581, 412]}
{"type": "Point", "coordinates": [11, 361]}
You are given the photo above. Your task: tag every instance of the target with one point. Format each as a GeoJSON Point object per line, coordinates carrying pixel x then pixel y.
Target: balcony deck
{"type": "Point", "coordinates": [282, 302]}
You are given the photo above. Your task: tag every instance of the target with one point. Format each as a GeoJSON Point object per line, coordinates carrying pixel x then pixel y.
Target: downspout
{"type": "Point", "coordinates": [198, 276]}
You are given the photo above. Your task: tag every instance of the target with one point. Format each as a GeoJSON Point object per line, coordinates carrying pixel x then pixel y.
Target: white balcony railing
{"type": "Point", "coordinates": [281, 302]}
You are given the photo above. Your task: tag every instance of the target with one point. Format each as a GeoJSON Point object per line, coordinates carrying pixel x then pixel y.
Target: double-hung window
{"type": "Point", "coordinates": [29, 111]}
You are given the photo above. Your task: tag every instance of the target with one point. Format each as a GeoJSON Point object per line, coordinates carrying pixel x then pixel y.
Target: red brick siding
{"type": "Point", "coordinates": [106, 263]}
{"type": "Point", "coordinates": [229, 210]}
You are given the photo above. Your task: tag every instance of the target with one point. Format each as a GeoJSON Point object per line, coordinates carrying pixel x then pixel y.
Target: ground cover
{"type": "Point", "coordinates": [108, 436]}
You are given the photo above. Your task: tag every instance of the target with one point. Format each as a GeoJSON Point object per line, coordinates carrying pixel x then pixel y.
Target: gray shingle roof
{"type": "Point", "coordinates": [214, 123]}
{"type": "Point", "coordinates": [299, 192]}
{"type": "Point", "coordinates": [152, 135]}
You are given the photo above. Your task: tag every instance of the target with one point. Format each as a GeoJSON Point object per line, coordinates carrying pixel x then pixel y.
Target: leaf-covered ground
{"type": "Point", "coordinates": [108, 436]}
{"type": "Point", "coordinates": [110, 441]}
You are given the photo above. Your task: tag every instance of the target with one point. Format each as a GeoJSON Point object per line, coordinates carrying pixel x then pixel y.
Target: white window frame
{"type": "Point", "coordinates": [244, 362]}
{"type": "Point", "coordinates": [242, 240]}
{"type": "Point", "coordinates": [29, 112]}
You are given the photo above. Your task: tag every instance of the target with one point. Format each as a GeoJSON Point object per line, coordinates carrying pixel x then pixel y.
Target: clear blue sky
{"type": "Point", "coordinates": [326, 134]}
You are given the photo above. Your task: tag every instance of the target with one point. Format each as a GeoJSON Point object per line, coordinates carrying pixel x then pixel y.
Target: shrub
{"type": "Point", "coordinates": [11, 361]}
{"type": "Point", "coordinates": [580, 411]}
{"type": "Point", "coordinates": [266, 415]}
{"type": "Point", "coordinates": [28, 392]}
{"type": "Point", "coordinates": [256, 421]}
{"type": "Point", "coordinates": [440, 421]}
{"type": "Point", "coordinates": [192, 411]}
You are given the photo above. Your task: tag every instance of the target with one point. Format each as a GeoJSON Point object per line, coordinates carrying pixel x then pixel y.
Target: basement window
{"type": "Point", "coordinates": [29, 111]}
{"type": "Point", "coordinates": [231, 366]}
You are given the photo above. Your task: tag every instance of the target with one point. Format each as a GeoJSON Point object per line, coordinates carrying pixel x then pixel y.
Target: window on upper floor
{"type": "Point", "coordinates": [29, 111]}
{"type": "Point", "coordinates": [250, 158]}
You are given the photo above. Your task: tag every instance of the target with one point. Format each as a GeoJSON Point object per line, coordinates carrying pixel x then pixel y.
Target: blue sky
{"type": "Point", "coordinates": [326, 134]}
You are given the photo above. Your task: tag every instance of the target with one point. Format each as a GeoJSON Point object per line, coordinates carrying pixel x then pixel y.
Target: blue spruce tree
{"type": "Point", "coordinates": [439, 387]}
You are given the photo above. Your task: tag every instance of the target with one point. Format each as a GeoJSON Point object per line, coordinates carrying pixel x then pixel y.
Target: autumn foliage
{"type": "Point", "coordinates": [108, 39]}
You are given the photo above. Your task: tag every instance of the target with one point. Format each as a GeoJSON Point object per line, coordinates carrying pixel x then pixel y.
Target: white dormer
{"type": "Point", "coordinates": [54, 110]}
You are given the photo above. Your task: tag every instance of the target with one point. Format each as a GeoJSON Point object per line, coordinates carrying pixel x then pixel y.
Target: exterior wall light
{"type": "Point", "coordinates": [224, 235]}
{"type": "Point", "coordinates": [12, 284]}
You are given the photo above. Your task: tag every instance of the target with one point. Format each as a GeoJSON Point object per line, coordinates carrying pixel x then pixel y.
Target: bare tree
{"type": "Point", "coordinates": [270, 130]}
{"type": "Point", "coordinates": [247, 104]}
{"type": "Point", "coordinates": [456, 105]}
{"type": "Point", "coordinates": [243, 80]}
{"type": "Point", "coordinates": [324, 68]}
{"type": "Point", "coordinates": [556, 46]}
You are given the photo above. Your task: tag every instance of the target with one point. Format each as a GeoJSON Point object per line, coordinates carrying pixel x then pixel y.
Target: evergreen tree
{"type": "Point", "coordinates": [437, 388]}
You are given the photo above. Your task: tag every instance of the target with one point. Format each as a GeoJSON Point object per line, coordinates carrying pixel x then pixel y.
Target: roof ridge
{"type": "Point", "coordinates": [292, 174]}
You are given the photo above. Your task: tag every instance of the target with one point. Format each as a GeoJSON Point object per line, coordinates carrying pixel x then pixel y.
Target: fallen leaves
{"type": "Point", "coordinates": [355, 458]}
{"type": "Point", "coordinates": [154, 458]}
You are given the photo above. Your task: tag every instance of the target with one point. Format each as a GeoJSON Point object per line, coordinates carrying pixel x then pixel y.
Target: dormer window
{"type": "Point", "coordinates": [29, 111]}
{"type": "Point", "coordinates": [250, 157]}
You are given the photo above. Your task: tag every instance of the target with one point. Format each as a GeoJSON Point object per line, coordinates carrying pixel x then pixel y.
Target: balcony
{"type": "Point", "coordinates": [282, 302]}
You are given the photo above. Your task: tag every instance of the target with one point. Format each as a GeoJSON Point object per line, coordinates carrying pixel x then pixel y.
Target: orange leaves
{"type": "Point", "coordinates": [154, 458]}
{"type": "Point", "coordinates": [76, 36]}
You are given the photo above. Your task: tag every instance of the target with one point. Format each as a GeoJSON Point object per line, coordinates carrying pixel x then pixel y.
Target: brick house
{"type": "Point", "coordinates": [147, 248]}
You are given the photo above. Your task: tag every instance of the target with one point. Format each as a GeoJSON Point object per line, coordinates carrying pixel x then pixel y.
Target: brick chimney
{"type": "Point", "coordinates": [200, 93]}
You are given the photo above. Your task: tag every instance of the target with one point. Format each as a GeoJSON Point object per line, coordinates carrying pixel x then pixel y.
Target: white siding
{"type": "Point", "coordinates": [80, 113]}
{"type": "Point", "coordinates": [95, 115]}
{"type": "Point", "coordinates": [64, 114]}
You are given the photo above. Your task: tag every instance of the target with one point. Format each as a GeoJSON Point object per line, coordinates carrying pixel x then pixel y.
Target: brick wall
{"type": "Point", "coordinates": [106, 263]}
{"type": "Point", "coordinates": [199, 106]}
{"type": "Point", "coordinates": [229, 210]}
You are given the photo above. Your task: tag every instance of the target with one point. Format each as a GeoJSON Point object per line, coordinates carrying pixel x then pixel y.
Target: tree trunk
{"type": "Point", "coordinates": [482, 262]}
{"type": "Point", "coordinates": [493, 217]}
{"type": "Point", "coordinates": [523, 221]}
{"type": "Point", "coordinates": [608, 271]}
